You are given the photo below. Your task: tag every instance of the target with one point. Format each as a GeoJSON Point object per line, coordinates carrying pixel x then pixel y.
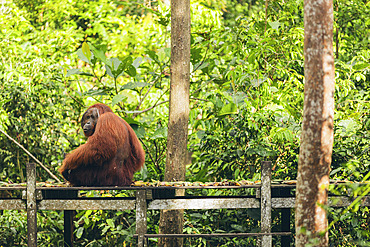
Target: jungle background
{"type": "Point", "coordinates": [246, 99]}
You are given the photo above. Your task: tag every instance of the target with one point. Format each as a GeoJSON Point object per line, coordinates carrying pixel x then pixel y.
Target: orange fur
{"type": "Point", "coordinates": [109, 157]}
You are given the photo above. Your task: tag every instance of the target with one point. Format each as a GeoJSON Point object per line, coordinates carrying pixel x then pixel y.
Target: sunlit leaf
{"type": "Point", "coordinates": [79, 232]}
{"type": "Point", "coordinates": [118, 98]}
{"type": "Point", "coordinates": [110, 223]}
{"type": "Point", "coordinates": [228, 109]}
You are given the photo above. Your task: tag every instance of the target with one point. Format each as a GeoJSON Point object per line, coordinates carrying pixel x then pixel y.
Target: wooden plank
{"type": "Point", "coordinates": [201, 203]}
{"type": "Point", "coordinates": [204, 203]}
{"type": "Point", "coordinates": [344, 201]}
{"type": "Point", "coordinates": [334, 201]}
{"type": "Point", "coordinates": [266, 205]}
{"type": "Point", "coordinates": [31, 205]}
{"type": "Point", "coordinates": [216, 235]}
{"type": "Point", "coordinates": [9, 204]}
{"type": "Point", "coordinates": [283, 202]}
{"type": "Point", "coordinates": [81, 204]}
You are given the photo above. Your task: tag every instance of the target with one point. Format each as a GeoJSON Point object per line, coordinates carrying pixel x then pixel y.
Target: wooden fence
{"type": "Point", "coordinates": [268, 196]}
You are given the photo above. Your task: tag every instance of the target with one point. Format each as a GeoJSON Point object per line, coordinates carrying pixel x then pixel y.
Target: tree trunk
{"type": "Point", "coordinates": [317, 127]}
{"type": "Point", "coordinates": [171, 221]}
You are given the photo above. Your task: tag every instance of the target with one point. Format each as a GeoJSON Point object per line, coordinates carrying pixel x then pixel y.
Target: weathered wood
{"type": "Point", "coordinates": [83, 204]}
{"type": "Point", "coordinates": [31, 205]}
{"type": "Point", "coordinates": [9, 204]}
{"type": "Point", "coordinates": [141, 217]}
{"type": "Point", "coordinates": [266, 203]}
{"type": "Point", "coordinates": [52, 199]}
{"type": "Point", "coordinates": [193, 203]}
{"type": "Point", "coordinates": [216, 235]}
{"type": "Point", "coordinates": [204, 203]}
{"type": "Point", "coordinates": [283, 202]}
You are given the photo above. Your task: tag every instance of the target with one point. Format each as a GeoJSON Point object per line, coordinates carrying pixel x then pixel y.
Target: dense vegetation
{"type": "Point", "coordinates": [247, 83]}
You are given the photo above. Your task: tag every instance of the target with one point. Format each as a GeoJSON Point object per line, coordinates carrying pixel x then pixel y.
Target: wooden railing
{"type": "Point", "coordinates": [268, 196]}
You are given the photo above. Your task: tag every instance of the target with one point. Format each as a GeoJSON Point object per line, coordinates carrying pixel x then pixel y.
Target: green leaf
{"type": "Point", "coordinates": [114, 67]}
{"type": "Point", "coordinates": [159, 133]}
{"type": "Point", "coordinates": [106, 228]}
{"type": "Point", "coordinates": [236, 173]}
{"type": "Point", "coordinates": [82, 56]}
{"type": "Point", "coordinates": [95, 92]}
{"type": "Point", "coordinates": [201, 65]}
{"type": "Point", "coordinates": [77, 72]}
{"type": "Point", "coordinates": [127, 61]}
{"type": "Point", "coordinates": [252, 58]}
{"type": "Point", "coordinates": [139, 131]}
{"type": "Point", "coordinates": [228, 109]}
{"type": "Point", "coordinates": [360, 66]}
{"type": "Point", "coordinates": [86, 50]}
{"type": "Point", "coordinates": [153, 56]}
{"type": "Point", "coordinates": [118, 98]}
{"type": "Point", "coordinates": [80, 231]}
{"type": "Point", "coordinates": [201, 134]}
{"type": "Point", "coordinates": [110, 223]}
{"type": "Point", "coordinates": [134, 84]}
{"type": "Point", "coordinates": [136, 63]}
{"type": "Point", "coordinates": [115, 63]}
{"type": "Point", "coordinates": [99, 54]}
{"type": "Point", "coordinates": [73, 72]}
{"type": "Point", "coordinates": [275, 25]}
{"type": "Point", "coordinates": [109, 69]}
{"type": "Point", "coordinates": [86, 220]}
{"type": "Point", "coordinates": [131, 70]}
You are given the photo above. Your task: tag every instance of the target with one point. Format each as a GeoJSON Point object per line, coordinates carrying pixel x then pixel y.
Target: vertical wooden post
{"type": "Point", "coordinates": [68, 218]}
{"type": "Point", "coordinates": [31, 205]}
{"type": "Point", "coordinates": [68, 227]}
{"type": "Point", "coordinates": [266, 240]}
{"type": "Point", "coordinates": [141, 217]}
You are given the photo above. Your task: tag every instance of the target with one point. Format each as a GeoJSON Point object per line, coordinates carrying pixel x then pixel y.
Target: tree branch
{"type": "Point", "coordinates": [33, 157]}
{"type": "Point", "coordinates": [148, 109]}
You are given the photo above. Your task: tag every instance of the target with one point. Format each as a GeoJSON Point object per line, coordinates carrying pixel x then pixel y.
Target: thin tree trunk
{"type": "Point", "coordinates": [171, 221]}
{"type": "Point", "coordinates": [317, 127]}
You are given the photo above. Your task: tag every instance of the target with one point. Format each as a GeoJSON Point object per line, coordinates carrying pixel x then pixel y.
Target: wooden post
{"type": "Point", "coordinates": [266, 203]}
{"type": "Point", "coordinates": [68, 227]}
{"type": "Point", "coordinates": [31, 205]}
{"type": "Point", "coordinates": [141, 217]}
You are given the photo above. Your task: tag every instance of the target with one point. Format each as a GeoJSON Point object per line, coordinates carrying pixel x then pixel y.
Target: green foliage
{"type": "Point", "coordinates": [12, 228]}
{"type": "Point", "coordinates": [247, 84]}
{"type": "Point", "coordinates": [33, 108]}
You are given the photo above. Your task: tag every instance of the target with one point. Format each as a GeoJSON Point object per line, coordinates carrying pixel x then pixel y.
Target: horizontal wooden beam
{"type": "Point", "coordinates": [10, 204]}
{"type": "Point", "coordinates": [80, 204]}
{"type": "Point", "coordinates": [204, 203]}
{"type": "Point", "coordinates": [183, 203]}
{"type": "Point", "coordinates": [215, 235]}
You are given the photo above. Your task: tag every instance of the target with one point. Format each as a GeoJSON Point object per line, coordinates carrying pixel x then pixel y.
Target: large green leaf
{"type": "Point", "coordinates": [86, 51]}
{"type": "Point", "coordinates": [228, 109]}
{"type": "Point", "coordinates": [118, 98]}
